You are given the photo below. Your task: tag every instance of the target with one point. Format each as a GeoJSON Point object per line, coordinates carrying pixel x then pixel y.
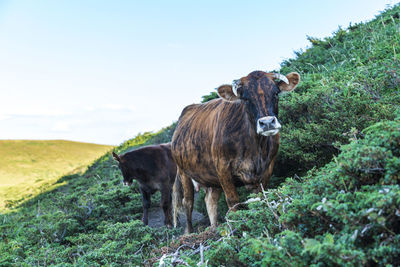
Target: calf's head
{"type": "Point", "coordinates": [260, 93]}
{"type": "Point", "coordinates": [124, 167]}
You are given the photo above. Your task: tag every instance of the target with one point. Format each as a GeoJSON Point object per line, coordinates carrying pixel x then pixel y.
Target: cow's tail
{"type": "Point", "coordinates": [177, 199]}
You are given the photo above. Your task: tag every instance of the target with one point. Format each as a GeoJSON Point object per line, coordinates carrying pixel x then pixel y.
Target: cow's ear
{"type": "Point", "coordinates": [293, 78]}
{"type": "Point", "coordinates": [225, 91]}
{"type": "Point", "coordinates": [116, 157]}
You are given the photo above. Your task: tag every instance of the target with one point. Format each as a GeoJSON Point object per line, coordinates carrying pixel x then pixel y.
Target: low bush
{"type": "Point", "coordinates": [346, 213]}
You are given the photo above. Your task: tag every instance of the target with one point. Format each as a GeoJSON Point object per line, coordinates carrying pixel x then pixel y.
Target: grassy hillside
{"type": "Point", "coordinates": [340, 137]}
{"type": "Point", "coordinates": [26, 166]}
{"type": "Point", "coordinates": [88, 218]}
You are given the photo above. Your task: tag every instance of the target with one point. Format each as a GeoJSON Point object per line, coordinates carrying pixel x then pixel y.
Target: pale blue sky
{"type": "Point", "coordinates": [103, 71]}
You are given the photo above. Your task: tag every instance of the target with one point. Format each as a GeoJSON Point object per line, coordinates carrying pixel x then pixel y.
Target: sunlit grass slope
{"type": "Point", "coordinates": [28, 167]}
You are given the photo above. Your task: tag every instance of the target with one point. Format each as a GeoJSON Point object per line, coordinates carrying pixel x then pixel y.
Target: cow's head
{"type": "Point", "coordinates": [259, 91]}
{"type": "Point", "coordinates": [123, 166]}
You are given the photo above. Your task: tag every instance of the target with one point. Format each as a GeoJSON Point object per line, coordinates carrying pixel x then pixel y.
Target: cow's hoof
{"type": "Point", "coordinates": [188, 230]}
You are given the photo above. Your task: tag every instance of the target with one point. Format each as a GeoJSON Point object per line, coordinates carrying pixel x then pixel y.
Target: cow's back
{"type": "Point", "coordinates": [192, 140]}
{"type": "Point", "coordinates": [199, 133]}
{"type": "Point", "coordinates": [154, 163]}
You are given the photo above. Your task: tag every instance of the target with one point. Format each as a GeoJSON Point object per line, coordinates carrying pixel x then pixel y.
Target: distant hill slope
{"type": "Point", "coordinates": [27, 165]}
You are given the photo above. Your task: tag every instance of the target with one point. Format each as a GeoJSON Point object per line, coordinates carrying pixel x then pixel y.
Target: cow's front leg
{"type": "Point", "coordinates": [166, 206]}
{"type": "Point", "coordinates": [267, 176]}
{"type": "Point", "coordinates": [231, 195]}
{"type": "Point", "coordinates": [146, 199]}
{"type": "Point", "coordinates": [211, 199]}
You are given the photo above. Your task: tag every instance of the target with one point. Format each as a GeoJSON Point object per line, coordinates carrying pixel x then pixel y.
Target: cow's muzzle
{"type": "Point", "coordinates": [268, 126]}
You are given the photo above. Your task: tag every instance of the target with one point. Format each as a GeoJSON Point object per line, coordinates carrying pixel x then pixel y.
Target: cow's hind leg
{"type": "Point", "coordinates": [177, 197]}
{"type": "Point", "coordinates": [188, 199]}
{"type": "Point", "coordinates": [211, 199]}
{"type": "Point", "coordinates": [166, 206]}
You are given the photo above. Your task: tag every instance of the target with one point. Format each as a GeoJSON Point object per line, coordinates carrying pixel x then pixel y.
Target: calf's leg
{"type": "Point", "coordinates": [166, 206]}
{"type": "Point", "coordinates": [211, 199]}
{"type": "Point", "coordinates": [146, 199]}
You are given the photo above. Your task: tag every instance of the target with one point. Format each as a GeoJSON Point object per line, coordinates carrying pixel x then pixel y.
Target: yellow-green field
{"type": "Point", "coordinates": [28, 167]}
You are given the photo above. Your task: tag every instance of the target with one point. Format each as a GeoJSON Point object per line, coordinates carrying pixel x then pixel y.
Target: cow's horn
{"type": "Point", "coordinates": [234, 90]}
{"type": "Point", "coordinates": [281, 77]}
{"type": "Point", "coordinates": [234, 87]}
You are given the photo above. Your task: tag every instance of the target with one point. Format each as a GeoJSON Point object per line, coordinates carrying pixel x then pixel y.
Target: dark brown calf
{"type": "Point", "coordinates": [154, 169]}
{"type": "Point", "coordinates": [231, 141]}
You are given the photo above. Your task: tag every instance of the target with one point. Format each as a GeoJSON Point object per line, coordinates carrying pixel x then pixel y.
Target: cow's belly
{"type": "Point", "coordinates": [206, 176]}
{"type": "Point", "coordinates": [244, 173]}
{"type": "Point", "coordinates": [197, 165]}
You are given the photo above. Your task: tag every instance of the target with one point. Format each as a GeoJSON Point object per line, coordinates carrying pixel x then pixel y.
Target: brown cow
{"type": "Point", "coordinates": [154, 169]}
{"type": "Point", "coordinates": [231, 141]}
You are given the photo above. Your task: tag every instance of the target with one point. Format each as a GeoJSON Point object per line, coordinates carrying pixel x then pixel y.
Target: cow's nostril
{"type": "Point", "coordinates": [266, 121]}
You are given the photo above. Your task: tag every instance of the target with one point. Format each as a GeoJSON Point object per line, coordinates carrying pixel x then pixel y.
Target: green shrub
{"type": "Point", "coordinates": [343, 214]}
{"type": "Point", "coordinates": [117, 244]}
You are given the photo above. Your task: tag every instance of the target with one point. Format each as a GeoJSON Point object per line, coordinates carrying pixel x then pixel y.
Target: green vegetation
{"type": "Point", "coordinates": [350, 81]}
{"type": "Point", "coordinates": [28, 167]}
{"type": "Point", "coordinates": [340, 144]}
{"type": "Point", "coordinates": [344, 214]}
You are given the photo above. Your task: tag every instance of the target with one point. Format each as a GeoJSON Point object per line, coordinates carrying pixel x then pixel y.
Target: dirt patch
{"type": "Point", "coordinates": [156, 217]}
{"type": "Point", "coordinates": [191, 242]}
